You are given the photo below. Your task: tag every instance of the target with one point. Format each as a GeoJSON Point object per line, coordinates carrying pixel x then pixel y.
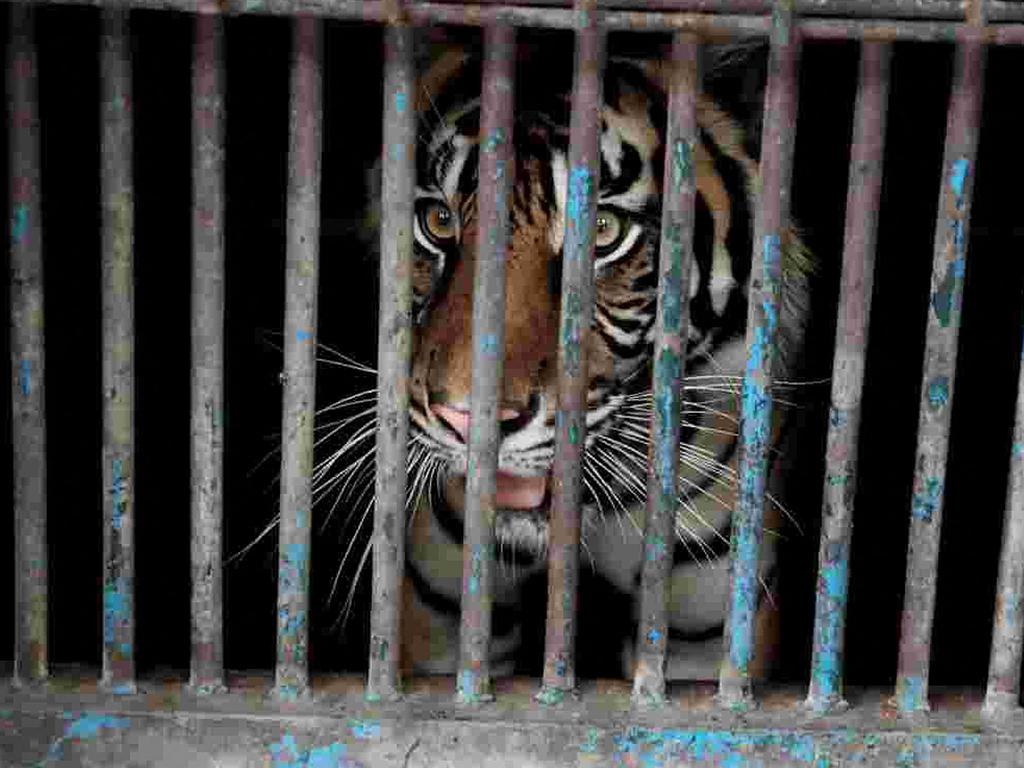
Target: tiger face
{"type": "Point", "coordinates": [618, 347]}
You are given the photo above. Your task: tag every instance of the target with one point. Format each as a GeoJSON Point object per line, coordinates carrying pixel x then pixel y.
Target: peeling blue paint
{"type": "Point", "coordinates": [494, 140]}
{"type": "Point", "coordinates": [365, 729]}
{"type": "Point", "coordinates": [85, 726]}
{"type": "Point", "coordinates": [116, 613]}
{"type": "Point", "coordinates": [489, 344]}
{"type": "Point", "coordinates": [938, 392]}
{"type": "Point", "coordinates": [654, 637]}
{"type": "Point", "coordinates": [668, 371]}
{"type": "Point", "coordinates": [590, 746]}
{"type": "Point", "coordinates": [25, 377]}
{"type": "Point", "coordinates": [581, 190]}
{"type": "Point", "coordinates": [682, 163]}
{"type": "Point", "coordinates": [926, 503]}
{"type": "Point", "coordinates": [476, 570]}
{"type": "Point", "coordinates": [286, 754]}
{"type": "Point", "coordinates": [293, 566]}
{"type": "Point", "coordinates": [1018, 450]}
{"type": "Point", "coordinates": [910, 694]}
{"type": "Point", "coordinates": [828, 639]}
{"type": "Point", "coordinates": [958, 179]}
{"type": "Point", "coordinates": [303, 335]}
{"type": "Point", "coordinates": [19, 223]}
{"type": "Point", "coordinates": [401, 101]}
{"type": "Point", "coordinates": [117, 488]}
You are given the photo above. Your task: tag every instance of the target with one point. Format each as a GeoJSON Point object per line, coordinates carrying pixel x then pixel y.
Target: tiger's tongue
{"type": "Point", "coordinates": [514, 492]}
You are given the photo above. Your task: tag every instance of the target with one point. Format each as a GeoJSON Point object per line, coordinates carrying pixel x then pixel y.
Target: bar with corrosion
{"type": "Point", "coordinates": [675, 261]}
{"type": "Point", "coordinates": [771, 225]}
{"type": "Point", "coordinates": [207, 402]}
{"type": "Point", "coordinates": [576, 312]}
{"type": "Point", "coordinates": [302, 258]}
{"type": "Point", "coordinates": [28, 416]}
{"type": "Point", "coordinates": [394, 344]}
{"type": "Point", "coordinates": [496, 170]}
{"type": "Point", "coordinates": [118, 354]}
{"type": "Point", "coordinates": [943, 324]}
{"type": "Point", "coordinates": [862, 204]}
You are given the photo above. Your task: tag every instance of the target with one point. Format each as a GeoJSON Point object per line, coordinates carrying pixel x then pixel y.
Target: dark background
{"type": "Point", "coordinates": [257, 64]}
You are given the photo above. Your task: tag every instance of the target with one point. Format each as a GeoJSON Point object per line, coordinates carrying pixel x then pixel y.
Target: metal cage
{"type": "Point", "coordinates": [216, 720]}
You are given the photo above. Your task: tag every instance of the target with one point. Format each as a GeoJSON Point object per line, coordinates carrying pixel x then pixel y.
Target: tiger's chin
{"type": "Point", "coordinates": [521, 519]}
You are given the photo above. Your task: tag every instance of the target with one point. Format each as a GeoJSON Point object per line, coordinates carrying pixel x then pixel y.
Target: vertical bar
{"type": "Point", "coordinates": [495, 174]}
{"type": "Point", "coordinates": [28, 419]}
{"type": "Point", "coordinates": [298, 399]}
{"type": "Point", "coordinates": [207, 665]}
{"type": "Point", "coordinates": [118, 355]}
{"type": "Point", "coordinates": [826, 688]}
{"type": "Point", "coordinates": [394, 350]}
{"type": "Point", "coordinates": [675, 259]}
{"type": "Point", "coordinates": [1003, 695]}
{"type": "Point", "coordinates": [770, 230]}
{"type": "Point", "coordinates": [937, 379]}
{"type": "Point", "coordinates": [576, 313]}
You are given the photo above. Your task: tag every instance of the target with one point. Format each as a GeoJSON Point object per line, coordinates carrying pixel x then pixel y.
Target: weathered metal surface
{"type": "Point", "coordinates": [302, 259]}
{"type": "Point", "coordinates": [540, 13]}
{"type": "Point", "coordinates": [118, 354]}
{"type": "Point", "coordinates": [1003, 694]}
{"type": "Point", "coordinates": [675, 258]}
{"type": "Point", "coordinates": [165, 725]}
{"type": "Point", "coordinates": [28, 421]}
{"type": "Point", "coordinates": [770, 230]}
{"type": "Point", "coordinates": [862, 204]}
{"type": "Point", "coordinates": [496, 172]}
{"type": "Point", "coordinates": [576, 313]}
{"type": "Point", "coordinates": [958, 169]}
{"type": "Point", "coordinates": [207, 657]}
{"type": "Point", "coordinates": [394, 349]}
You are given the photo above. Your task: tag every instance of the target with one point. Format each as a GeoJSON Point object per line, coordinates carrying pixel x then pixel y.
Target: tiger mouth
{"type": "Point", "coordinates": [521, 512]}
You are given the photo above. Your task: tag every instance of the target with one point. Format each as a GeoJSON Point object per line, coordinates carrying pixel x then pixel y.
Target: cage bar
{"type": "Point", "coordinates": [299, 377]}
{"type": "Point", "coordinates": [496, 171]}
{"type": "Point", "coordinates": [1003, 694]}
{"type": "Point", "coordinates": [118, 355]}
{"type": "Point", "coordinates": [28, 418]}
{"type": "Point", "coordinates": [958, 169]}
{"type": "Point", "coordinates": [576, 312]}
{"type": "Point", "coordinates": [675, 263]}
{"type": "Point", "coordinates": [207, 658]}
{"type": "Point", "coordinates": [394, 344]}
{"type": "Point", "coordinates": [770, 233]}
{"type": "Point", "coordinates": [862, 202]}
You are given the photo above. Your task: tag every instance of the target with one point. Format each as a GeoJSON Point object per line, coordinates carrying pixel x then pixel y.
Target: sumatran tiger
{"type": "Point", "coordinates": [619, 351]}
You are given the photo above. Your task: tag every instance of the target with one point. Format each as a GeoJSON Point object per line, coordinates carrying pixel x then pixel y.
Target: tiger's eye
{"type": "Point", "coordinates": [608, 228]}
{"type": "Point", "coordinates": [437, 221]}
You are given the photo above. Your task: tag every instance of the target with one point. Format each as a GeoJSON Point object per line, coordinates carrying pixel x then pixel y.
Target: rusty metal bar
{"type": "Point", "coordinates": [958, 168]}
{"type": "Point", "coordinates": [118, 355]}
{"type": "Point", "coordinates": [576, 312]}
{"type": "Point", "coordinates": [545, 14]}
{"type": "Point", "coordinates": [740, 22]}
{"type": "Point", "coordinates": [28, 416]}
{"type": "Point", "coordinates": [496, 172]}
{"type": "Point", "coordinates": [302, 259]}
{"type": "Point", "coordinates": [394, 341]}
{"type": "Point", "coordinates": [1003, 695]}
{"type": "Point", "coordinates": [207, 659]}
{"type": "Point", "coordinates": [770, 231]}
{"type": "Point", "coordinates": [675, 260]}
{"type": "Point", "coordinates": [862, 204]}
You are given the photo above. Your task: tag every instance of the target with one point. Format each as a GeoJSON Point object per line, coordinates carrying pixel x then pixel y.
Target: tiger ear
{"type": "Point", "coordinates": [440, 58]}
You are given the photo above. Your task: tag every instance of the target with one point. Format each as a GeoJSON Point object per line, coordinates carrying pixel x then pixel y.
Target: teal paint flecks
{"type": "Point", "coordinates": [119, 501]}
{"type": "Point", "coordinates": [25, 377]}
{"type": "Point", "coordinates": [833, 579]}
{"type": "Point", "coordinates": [910, 694]}
{"type": "Point", "coordinates": [85, 726]}
{"type": "Point", "coordinates": [401, 102]}
{"type": "Point", "coordinates": [494, 140]}
{"type": "Point", "coordinates": [303, 335]}
{"type": "Point", "coordinates": [958, 179]}
{"type": "Point", "coordinates": [19, 224]}
{"type": "Point", "coordinates": [581, 190]}
{"type": "Point", "coordinates": [682, 162]}
{"type": "Point", "coordinates": [668, 371]}
{"type": "Point", "coordinates": [286, 754]}
{"type": "Point", "coordinates": [590, 746]}
{"type": "Point", "coordinates": [365, 729]}
{"type": "Point", "coordinates": [938, 392]}
{"type": "Point", "coordinates": [926, 503]}
{"type": "Point", "coordinates": [489, 344]}
{"type": "Point", "coordinates": [116, 613]}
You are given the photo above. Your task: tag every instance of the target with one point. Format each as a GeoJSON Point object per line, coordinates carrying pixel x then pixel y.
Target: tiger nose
{"type": "Point", "coordinates": [457, 419]}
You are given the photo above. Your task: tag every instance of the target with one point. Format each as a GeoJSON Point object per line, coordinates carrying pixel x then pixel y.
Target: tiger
{"type": "Point", "coordinates": [618, 351]}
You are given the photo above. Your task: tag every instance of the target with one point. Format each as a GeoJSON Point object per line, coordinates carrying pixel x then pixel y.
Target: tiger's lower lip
{"type": "Point", "coordinates": [514, 492]}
